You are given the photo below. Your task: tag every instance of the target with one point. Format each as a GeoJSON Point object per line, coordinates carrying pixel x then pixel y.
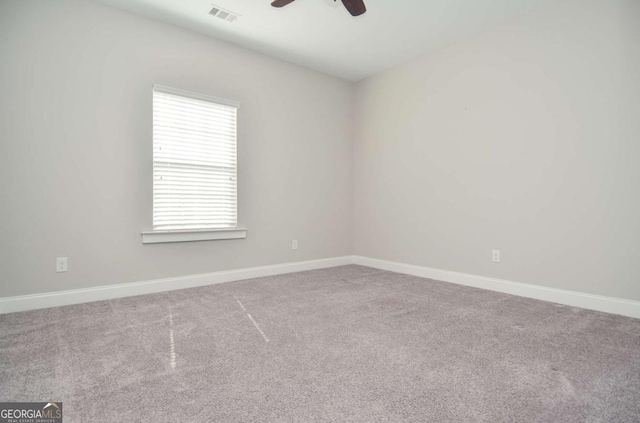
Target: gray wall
{"type": "Point", "coordinates": [75, 149]}
{"type": "Point", "coordinates": [524, 139]}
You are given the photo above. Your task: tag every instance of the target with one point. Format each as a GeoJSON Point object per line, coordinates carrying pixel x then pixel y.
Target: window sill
{"type": "Point", "coordinates": [157, 237]}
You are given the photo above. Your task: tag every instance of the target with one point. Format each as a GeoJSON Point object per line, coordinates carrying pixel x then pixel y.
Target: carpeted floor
{"type": "Point", "coordinates": [347, 344]}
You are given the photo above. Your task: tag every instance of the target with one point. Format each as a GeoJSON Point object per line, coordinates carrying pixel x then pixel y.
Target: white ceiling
{"type": "Point", "coordinates": [321, 35]}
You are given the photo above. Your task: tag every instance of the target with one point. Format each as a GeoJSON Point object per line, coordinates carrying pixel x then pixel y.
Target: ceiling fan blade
{"type": "Point", "coordinates": [280, 3]}
{"type": "Point", "coordinates": [355, 7]}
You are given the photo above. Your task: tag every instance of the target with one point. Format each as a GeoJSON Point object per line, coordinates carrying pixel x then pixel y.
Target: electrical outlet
{"type": "Point", "coordinates": [495, 256]}
{"type": "Point", "coordinates": [294, 244]}
{"type": "Point", "coordinates": [61, 264]}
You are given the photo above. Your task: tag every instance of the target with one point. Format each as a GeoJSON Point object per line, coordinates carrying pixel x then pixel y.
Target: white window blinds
{"type": "Point", "coordinates": [194, 161]}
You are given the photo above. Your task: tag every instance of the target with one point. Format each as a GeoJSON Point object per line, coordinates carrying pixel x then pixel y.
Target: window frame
{"type": "Point", "coordinates": [196, 234]}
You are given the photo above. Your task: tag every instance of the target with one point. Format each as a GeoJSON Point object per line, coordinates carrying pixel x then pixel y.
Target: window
{"type": "Point", "coordinates": [194, 164]}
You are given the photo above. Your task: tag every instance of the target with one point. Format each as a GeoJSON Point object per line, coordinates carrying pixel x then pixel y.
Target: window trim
{"type": "Point", "coordinates": [190, 235]}
{"type": "Point", "coordinates": [196, 96]}
{"type": "Point", "coordinates": [161, 237]}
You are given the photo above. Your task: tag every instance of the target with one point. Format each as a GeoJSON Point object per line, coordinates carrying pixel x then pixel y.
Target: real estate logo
{"type": "Point", "coordinates": [30, 412]}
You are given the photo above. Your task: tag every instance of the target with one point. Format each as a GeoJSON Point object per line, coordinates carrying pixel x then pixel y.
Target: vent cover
{"type": "Point", "coordinates": [225, 15]}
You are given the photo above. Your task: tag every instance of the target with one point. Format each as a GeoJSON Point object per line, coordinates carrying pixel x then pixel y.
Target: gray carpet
{"type": "Point", "coordinates": [348, 344]}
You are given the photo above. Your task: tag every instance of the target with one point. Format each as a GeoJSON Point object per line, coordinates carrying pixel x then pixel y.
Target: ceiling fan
{"type": "Point", "coordinates": [355, 7]}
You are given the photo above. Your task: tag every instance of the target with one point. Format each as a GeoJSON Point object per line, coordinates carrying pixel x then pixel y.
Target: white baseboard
{"type": "Point", "coordinates": [560, 296]}
{"type": "Point", "coordinates": [107, 292]}
{"type": "Point", "coordinates": [576, 299]}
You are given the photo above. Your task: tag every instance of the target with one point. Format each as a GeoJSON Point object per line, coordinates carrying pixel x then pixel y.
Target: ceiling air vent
{"type": "Point", "coordinates": [225, 15]}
